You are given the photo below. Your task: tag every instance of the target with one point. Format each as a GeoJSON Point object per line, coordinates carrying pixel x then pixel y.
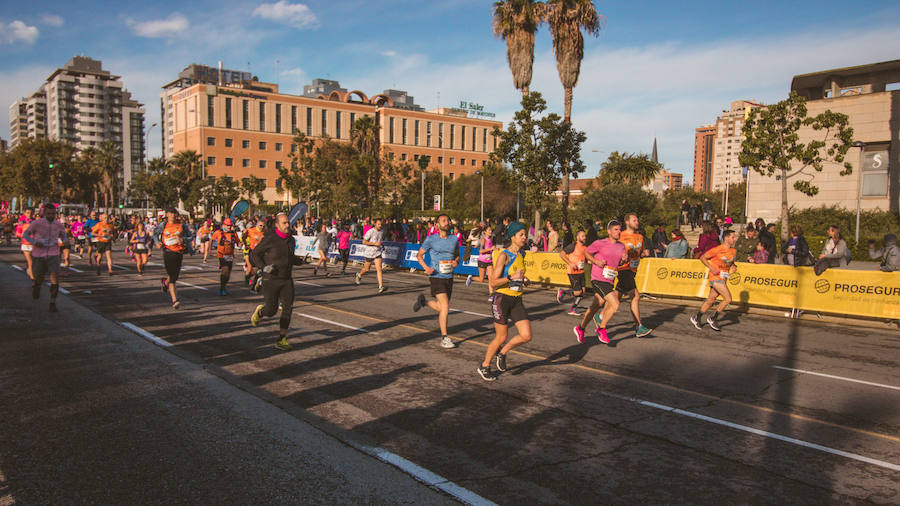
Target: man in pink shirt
{"type": "Point", "coordinates": [343, 239]}
{"type": "Point", "coordinates": [605, 255]}
{"type": "Point", "coordinates": [46, 234]}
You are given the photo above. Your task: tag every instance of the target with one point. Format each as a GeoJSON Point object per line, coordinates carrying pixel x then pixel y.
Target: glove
{"type": "Point", "coordinates": [269, 269]}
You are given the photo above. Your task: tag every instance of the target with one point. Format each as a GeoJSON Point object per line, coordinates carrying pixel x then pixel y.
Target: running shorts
{"type": "Point", "coordinates": [441, 285]}
{"type": "Point", "coordinates": [602, 288]}
{"type": "Point", "coordinates": [42, 265]}
{"type": "Point", "coordinates": [721, 281]}
{"type": "Point", "coordinates": [507, 308]}
{"type": "Point", "coordinates": [225, 263]}
{"type": "Point", "coordinates": [66, 246]}
{"type": "Point", "coordinates": [577, 282]}
{"type": "Point", "coordinates": [626, 282]}
{"type": "Point", "coordinates": [484, 265]}
{"type": "Point", "coordinates": [172, 261]}
{"type": "Point", "coordinates": [103, 247]}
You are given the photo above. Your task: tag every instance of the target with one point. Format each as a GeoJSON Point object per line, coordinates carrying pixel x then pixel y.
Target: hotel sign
{"type": "Point", "coordinates": [241, 94]}
{"type": "Point", "coordinates": [475, 109]}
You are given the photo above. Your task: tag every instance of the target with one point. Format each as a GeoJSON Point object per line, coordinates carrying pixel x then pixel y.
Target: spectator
{"type": "Point", "coordinates": [889, 253]}
{"type": "Point", "coordinates": [767, 236]}
{"type": "Point", "coordinates": [590, 233]}
{"type": "Point", "coordinates": [567, 237]}
{"type": "Point", "coordinates": [707, 210]}
{"type": "Point", "coordinates": [659, 241]}
{"type": "Point", "coordinates": [678, 248]}
{"type": "Point", "coordinates": [696, 212]}
{"type": "Point", "coordinates": [553, 245]}
{"type": "Point", "coordinates": [761, 254]}
{"type": "Point", "coordinates": [796, 249]}
{"type": "Point", "coordinates": [835, 250]}
{"type": "Point", "coordinates": [708, 239]}
{"type": "Point", "coordinates": [720, 227]}
{"type": "Point", "coordinates": [746, 245]}
{"type": "Point", "coordinates": [685, 213]}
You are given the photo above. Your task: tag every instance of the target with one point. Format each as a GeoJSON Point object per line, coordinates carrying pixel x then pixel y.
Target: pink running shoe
{"type": "Point", "coordinates": [579, 334]}
{"type": "Point", "coordinates": [602, 336]}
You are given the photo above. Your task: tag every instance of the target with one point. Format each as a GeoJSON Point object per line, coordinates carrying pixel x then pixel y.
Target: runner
{"type": "Point", "coordinates": [226, 238]}
{"type": "Point", "coordinates": [373, 238]}
{"type": "Point", "coordinates": [323, 241]}
{"type": "Point", "coordinates": [79, 234]}
{"type": "Point", "coordinates": [205, 243]}
{"type": "Point", "coordinates": [444, 256]}
{"type": "Point", "coordinates": [104, 233]}
{"type": "Point", "coordinates": [46, 234]}
{"type": "Point", "coordinates": [720, 262]}
{"type": "Point", "coordinates": [573, 256]}
{"type": "Point", "coordinates": [275, 253]}
{"type": "Point", "coordinates": [603, 253]}
{"type": "Point", "coordinates": [485, 261]}
{"type": "Point", "coordinates": [173, 239]}
{"type": "Point", "coordinates": [91, 240]}
{"type": "Point", "coordinates": [343, 238]}
{"type": "Point", "coordinates": [21, 227]}
{"type": "Point", "coordinates": [509, 280]}
{"type": "Point", "coordinates": [635, 246]}
{"type": "Point", "coordinates": [65, 246]}
{"type": "Point", "coordinates": [252, 238]}
{"type": "Point", "coordinates": [141, 243]}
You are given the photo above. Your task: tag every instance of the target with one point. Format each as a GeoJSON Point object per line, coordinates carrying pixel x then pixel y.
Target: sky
{"type": "Point", "coordinates": [658, 69]}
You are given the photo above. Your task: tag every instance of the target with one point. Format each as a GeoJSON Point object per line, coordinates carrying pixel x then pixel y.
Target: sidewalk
{"type": "Point", "coordinates": [93, 413]}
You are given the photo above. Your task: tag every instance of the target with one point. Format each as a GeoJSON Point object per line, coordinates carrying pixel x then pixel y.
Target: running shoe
{"type": "Point", "coordinates": [446, 342]}
{"type": "Point", "coordinates": [573, 311]}
{"type": "Point", "coordinates": [225, 291]}
{"type": "Point", "coordinates": [110, 273]}
{"type": "Point", "coordinates": [358, 279]}
{"type": "Point", "coordinates": [491, 298]}
{"type": "Point", "coordinates": [165, 284]}
{"type": "Point", "coordinates": [315, 271]}
{"type": "Point", "coordinates": [501, 362]}
{"type": "Point", "coordinates": [579, 334]}
{"type": "Point", "coordinates": [559, 295]}
{"type": "Point", "coordinates": [601, 335]}
{"type": "Point", "coordinates": [176, 304]}
{"type": "Point", "coordinates": [52, 308]}
{"type": "Point", "coordinates": [382, 289]}
{"type": "Point", "coordinates": [419, 304]}
{"type": "Point", "coordinates": [696, 322]}
{"type": "Point", "coordinates": [642, 331]}
{"type": "Point", "coordinates": [598, 320]}
{"type": "Point", "coordinates": [469, 280]}
{"type": "Point", "coordinates": [713, 324]}
{"type": "Point", "coordinates": [486, 374]}
{"type": "Point", "coordinates": [329, 274]}
{"type": "Point", "coordinates": [255, 317]}
{"type": "Point", "coordinates": [283, 344]}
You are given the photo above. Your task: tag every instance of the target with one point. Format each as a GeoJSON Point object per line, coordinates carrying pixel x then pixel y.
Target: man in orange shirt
{"type": "Point", "coordinates": [252, 238]}
{"type": "Point", "coordinates": [104, 232]}
{"type": "Point", "coordinates": [635, 249]}
{"type": "Point", "coordinates": [573, 255]}
{"type": "Point", "coordinates": [720, 262]}
{"type": "Point", "coordinates": [226, 238]}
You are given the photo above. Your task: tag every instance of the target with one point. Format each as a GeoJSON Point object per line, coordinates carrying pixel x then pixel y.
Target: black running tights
{"type": "Point", "coordinates": [275, 291]}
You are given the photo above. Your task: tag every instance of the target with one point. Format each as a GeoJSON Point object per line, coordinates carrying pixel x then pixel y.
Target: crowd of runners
{"type": "Point", "coordinates": [266, 248]}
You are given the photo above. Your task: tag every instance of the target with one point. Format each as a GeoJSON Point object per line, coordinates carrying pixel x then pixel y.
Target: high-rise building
{"type": "Point", "coordinates": [729, 138]}
{"type": "Point", "coordinates": [3, 146]}
{"type": "Point", "coordinates": [322, 87]}
{"type": "Point", "coordinates": [673, 180]}
{"type": "Point", "coordinates": [704, 149]}
{"type": "Point", "coordinates": [84, 105]}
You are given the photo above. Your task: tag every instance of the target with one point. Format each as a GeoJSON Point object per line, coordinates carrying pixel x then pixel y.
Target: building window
{"type": "Point", "coordinates": [875, 181]}
{"type": "Point", "coordinates": [246, 111]}
{"type": "Point", "coordinates": [227, 113]}
{"type": "Point", "coordinates": [278, 164]}
{"type": "Point", "coordinates": [462, 138]}
{"type": "Point", "coordinates": [229, 162]}
{"type": "Point", "coordinates": [352, 119]}
{"type": "Point", "coordinates": [428, 134]}
{"type": "Point", "coordinates": [440, 135]}
{"type": "Point", "coordinates": [278, 118]}
{"type": "Point", "coordinates": [210, 141]}
{"type": "Point", "coordinates": [337, 124]}
{"type": "Point", "coordinates": [324, 122]}
{"type": "Point", "coordinates": [416, 133]}
{"type": "Point", "coordinates": [416, 158]}
{"type": "Point", "coordinates": [451, 176]}
{"type": "Point", "coordinates": [473, 162]}
{"type": "Point", "coordinates": [262, 145]}
{"type": "Point", "coordinates": [390, 130]}
{"type": "Point", "coordinates": [440, 159]}
{"type": "Point", "coordinates": [293, 119]}
{"type": "Point", "coordinates": [483, 140]}
{"type": "Point", "coordinates": [245, 162]}
{"type": "Point", "coordinates": [209, 110]}
{"type": "Point", "coordinates": [309, 121]}
{"type": "Point", "coordinates": [473, 138]}
{"type": "Point", "coordinates": [403, 132]}
{"type": "Point", "coordinates": [262, 116]}
{"type": "Point", "coordinates": [277, 146]}
{"type": "Point", "coordinates": [462, 161]}
{"type": "Point", "coordinates": [262, 164]}
{"type": "Point", "coordinates": [245, 144]}
{"type": "Point", "coordinates": [210, 160]}
{"type": "Point", "coordinates": [483, 163]}
{"type": "Point", "coordinates": [451, 160]}
{"type": "Point", "coordinates": [403, 156]}
{"type": "Point", "coordinates": [228, 142]}
{"type": "Point", "coordinates": [451, 137]}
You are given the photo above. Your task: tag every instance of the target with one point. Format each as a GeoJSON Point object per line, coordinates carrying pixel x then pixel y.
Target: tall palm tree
{"type": "Point", "coordinates": [87, 158]}
{"type": "Point", "coordinates": [189, 162]}
{"type": "Point", "coordinates": [109, 161]}
{"type": "Point", "coordinates": [516, 22]}
{"type": "Point", "coordinates": [364, 135]}
{"type": "Point", "coordinates": [567, 18]}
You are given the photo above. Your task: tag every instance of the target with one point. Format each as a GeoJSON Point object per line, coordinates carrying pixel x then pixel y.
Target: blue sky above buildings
{"type": "Point", "coordinates": [658, 69]}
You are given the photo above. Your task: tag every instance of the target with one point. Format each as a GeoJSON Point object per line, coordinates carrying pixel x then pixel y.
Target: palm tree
{"type": "Point", "coordinates": [364, 139]}
{"type": "Point", "coordinates": [87, 158]}
{"type": "Point", "coordinates": [567, 18]}
{"type": "Point", "coordinates": [516, 22]}
{"type": "Point", "coordinates": [109, 161]}
{"type": "Point", "coordinates": [189, 162]}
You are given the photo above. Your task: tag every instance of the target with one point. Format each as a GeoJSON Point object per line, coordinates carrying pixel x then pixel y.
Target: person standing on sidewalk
{"type": "Point", "coordinates": [45, 234]}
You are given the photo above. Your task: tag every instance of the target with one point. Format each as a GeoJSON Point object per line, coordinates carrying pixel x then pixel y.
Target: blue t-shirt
{"type": "Point", "coordinates": [439, 250]}
{"type": "Point", "coordinates": [88, 225]}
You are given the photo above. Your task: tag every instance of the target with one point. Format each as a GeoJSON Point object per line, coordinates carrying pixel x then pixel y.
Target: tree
{"type": "Point", "coordinates": [109, 162]}
{"type": "Point", "coordinates": [292, 178]}
{"type": "Point", "coordinates": [613, 201]}
{"type": "Point", "coordinates": [538, 149]}
{"type": "Point", "coordinates": [27, 171]}
{"type": "Point", "coordinates": [155, 184]}
{"type": "Point", "coordinates": [221, 192]}
{"type": "Point", "coordinates": [772, 146]}
{"type": "Point", "coordinates": [516, 22]}
{"type": "Point", "coordinates": [364, 139]}
{"type": "Point", "coordinates": [567, 18]}
{"type": "Point", "coordinates": [423, 162]}
{"type": "Point", "coordinates": [628, 168]}
{"type": "Point", "coordinates": [186, 169]}
{"type": "Point", "coordinates": [253, 187]}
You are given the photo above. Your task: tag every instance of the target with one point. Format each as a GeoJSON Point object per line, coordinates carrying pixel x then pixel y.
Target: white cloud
{"type": "Point", "coordinates": [18, 31]}
{"type": "Point", "coordinates": [296, 15]}
{"type": "Point", "coordinates": [52, 20]}
{"type": "Point", "coordinates": [389, 53]}
{"type": "Point", "coordinates": [173, 26]}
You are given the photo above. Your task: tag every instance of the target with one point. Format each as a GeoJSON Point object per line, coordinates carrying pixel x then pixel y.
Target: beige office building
{"type": "Point", "coordinates": [726, 169]}
{"type": "Point", "coordinates": [28, 118]}
{"type": "Point", "coordinates": [870, 96]}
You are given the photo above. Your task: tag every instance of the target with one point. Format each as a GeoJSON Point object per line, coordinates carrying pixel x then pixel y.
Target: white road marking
{"type": "Point", "coordinates": [74, 269]}
{"type": "Point", "coordinates": [308, 283]}
{"type": "Point", "coordinates": [772, 435]}
{"type": "Point", "coordinates": [471, 313]}
{"type": "Point", "coordinates": [191, 268]}
{"type": "Point", "coordinates": [121, 268]}
{"type": "Point", "coordinates": [311, 317]}
{"type": "Point", "coordinates": [61, 289]}
{"type": "Point", "coordinates": [193, 286]}
{"type": "Point", "coordinates": [836, 377]}
{"type": "Point", "coordinates": [146, 335]}
{"type": "Point", "coordinates": [16, 267]}
{"type": "Point", "coordinates": [423, 475]}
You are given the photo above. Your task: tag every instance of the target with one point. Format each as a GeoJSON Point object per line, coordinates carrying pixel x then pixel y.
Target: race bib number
{"type": "Point", "coordinates": [580, 266]}
{"type": "Point", "coordinates": [445, 266]}
{"type": "Point", "coordinates": [516, 285]}
{"type": "Point", "coordinates": [171, 241]}
{"type": "Point", "coordinates": [140, 246]}
{"type": "Point", "coordinates": [94, 239]}
{"type": "Point", "coordinates": [634, 263]}
{"type": "Point", "coordinates": [228, 258]}
{"type": "Point", "coordinates": [725, 274]}
{"type": "Point", "coordinates": [81, 237]}
{"type": "Point", "coordinates": [610, 274]}
{"type": "Point", "coordinates": [27, 247]}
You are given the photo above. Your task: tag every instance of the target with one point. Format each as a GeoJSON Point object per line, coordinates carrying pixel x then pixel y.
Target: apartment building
{"type": "Point", "coordinates": [704, 149]}
{"type": "Point", "coordinates": [726, 168]}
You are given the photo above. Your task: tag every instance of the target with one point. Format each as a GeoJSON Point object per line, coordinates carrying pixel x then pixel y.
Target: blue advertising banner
{"type": "Point", "coordinates": [410, 262]}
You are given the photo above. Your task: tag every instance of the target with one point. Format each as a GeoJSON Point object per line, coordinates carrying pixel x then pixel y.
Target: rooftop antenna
{"type": "Point", "coordinates": [277, 71]}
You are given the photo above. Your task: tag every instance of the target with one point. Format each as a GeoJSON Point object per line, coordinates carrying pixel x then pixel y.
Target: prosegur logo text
{"type": "Point", "coordinates": [771, 282]}
{"type": "Point", "coordinates": [663, 273]}
{"type": "Point", "coordinates": [893, 291]}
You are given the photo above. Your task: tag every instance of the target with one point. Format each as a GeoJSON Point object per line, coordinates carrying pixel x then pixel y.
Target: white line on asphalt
{"type": "Point", "coordinates": [155, 264]}
{"type": "Point", "coordinates": [74, 269]}
{"type": "Point", "coordinates": [311, 317]}
{"type": "Point", "coordinates": [191, 268]}
{"type": "Point", "coordinates": [307, 283]}
{"type": "Point", "coordinates": [836, 377]}
{"type": "Point", "coordinates": [423, 475]}
{"type": "Point", "coordinates": [146, 335]}
{"type": "Point", "coordinates": [193, 286]}
{"type": "Point", "coordinates": [786, 439]}
{"type": "Point", "coordinates": [61, 289]}
{"type": "Point", "coordinates": [471, 313]}
{"type": "Point", "coordinates": [120, 267]}
{"type": "Point", "coordinates": [16, 267]}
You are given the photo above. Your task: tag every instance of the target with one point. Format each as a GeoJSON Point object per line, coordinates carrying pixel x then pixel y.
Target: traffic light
{"type": "Point", "coordinates": [51, 165]}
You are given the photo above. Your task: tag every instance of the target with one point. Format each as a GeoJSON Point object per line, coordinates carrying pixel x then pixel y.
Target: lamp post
{"type": "Point", "coordinates": [480, 173]}
{"type": "Point", "coordinates": [861, 145]}
{"type": "Point", "coordinates": [443, 162]}
{"type": "Point", "coordinates": [147, 150]}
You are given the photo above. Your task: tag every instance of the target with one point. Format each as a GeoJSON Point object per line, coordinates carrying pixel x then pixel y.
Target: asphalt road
{"type": "Point", "coordinates": [682, 416]}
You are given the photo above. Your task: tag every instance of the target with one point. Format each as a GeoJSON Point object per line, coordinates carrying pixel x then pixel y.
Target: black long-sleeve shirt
{"type": "Point", "coordinates": [277, 252]}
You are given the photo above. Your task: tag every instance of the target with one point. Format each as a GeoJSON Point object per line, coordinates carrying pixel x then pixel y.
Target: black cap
{"type": "Point", "coordinates": [172, 210]}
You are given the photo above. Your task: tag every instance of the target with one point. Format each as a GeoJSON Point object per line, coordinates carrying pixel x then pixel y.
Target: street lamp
{"type": "Point", "coordinates": [480, 173]}
{"type": "Point", "coordinates": [443, 161]}
{"type": "Point", "coordinates": [861, 145]}
{"type": "Point", "coordinates": [147, 145]}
